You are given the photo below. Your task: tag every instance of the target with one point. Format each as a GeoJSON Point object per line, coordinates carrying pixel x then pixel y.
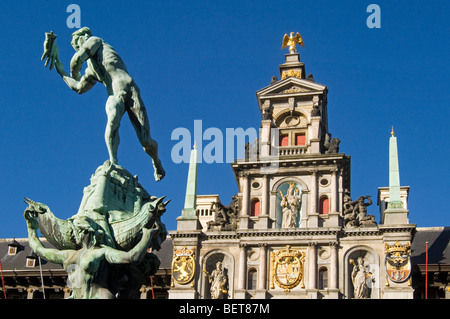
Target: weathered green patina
{"type": "Point", "coordinates": [394, 174]}
{"type": "Point", "coordinates": [105, 247]}
{"type": "Point", "coordinates": [104, 65]}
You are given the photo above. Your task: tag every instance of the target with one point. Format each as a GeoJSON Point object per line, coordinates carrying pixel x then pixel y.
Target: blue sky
{"type": "Point", "coordinates": [204, 60]}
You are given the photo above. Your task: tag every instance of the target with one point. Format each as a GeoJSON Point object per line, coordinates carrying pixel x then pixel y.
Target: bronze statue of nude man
{"type": "Point", "coordinates": [105, 65]}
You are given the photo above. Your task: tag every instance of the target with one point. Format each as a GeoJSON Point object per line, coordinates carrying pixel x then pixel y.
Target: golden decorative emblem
{"type": "Point", "coordinates": [398, 261]}
{"type": "Point", "coordinates": [290, 74]}
{"type": "Point", "coordinates": [292, 41]}
{"type": "Point", "coordinates": [183, 265]}
{"type": "Point", "coordinates": [287, 268]}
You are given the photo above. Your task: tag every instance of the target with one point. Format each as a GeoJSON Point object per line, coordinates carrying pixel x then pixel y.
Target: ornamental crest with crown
{"type": "Point", "coordinates": [398, 262]}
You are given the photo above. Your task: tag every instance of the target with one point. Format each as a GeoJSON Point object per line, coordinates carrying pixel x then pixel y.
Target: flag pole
{"type": "Point", "coordinates": [3, 280]}
{"type": "Point", "coordinates": [426, 270]}
{"type": "Point", "coordinates": [151, 283]}
{"type": "Point", "coordinates": [42, 277]}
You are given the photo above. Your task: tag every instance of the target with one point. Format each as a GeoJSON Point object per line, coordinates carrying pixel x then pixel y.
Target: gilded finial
{"type": "Point", "coordinates": [292, 41]}
{"type": "Point", "coordinates": [392, 132]}
{"type": "Point", "coordinates": [195, 145]}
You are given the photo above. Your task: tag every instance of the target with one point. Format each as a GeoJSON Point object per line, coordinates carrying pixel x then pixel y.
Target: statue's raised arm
{"type": "Point", "coordinates": [106, 66]}
{"type": "Point", "coordinates": [50, 50]}
{"type": "Point", "coordinates": [51, 254]}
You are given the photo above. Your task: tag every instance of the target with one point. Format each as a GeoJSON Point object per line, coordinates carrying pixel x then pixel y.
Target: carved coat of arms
{"type": "Point", "coordinates": [183, 265]}
{"type": "Point", "coordinates": [287, 268]}
{"type": "Point", "coordinates": [398, 262]}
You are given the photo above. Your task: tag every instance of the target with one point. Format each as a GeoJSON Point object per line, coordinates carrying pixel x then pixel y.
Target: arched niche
{"type": "Point", "coordinates": [209, 263]}
{"type": "Point", "coordinates": [280, 190]}
{"type": "Point", "coordinates": [370, 262]}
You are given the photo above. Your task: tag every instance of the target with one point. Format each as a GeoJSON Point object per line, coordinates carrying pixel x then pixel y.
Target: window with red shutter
{"type": "Point", "coordinates": [256, 207]}
{"type": "Point", "coordinates": [284, 140]}
{"type": "Point", "coordinates": [300, 139]}
{"type": "Point", "coordinates": [324, 205]}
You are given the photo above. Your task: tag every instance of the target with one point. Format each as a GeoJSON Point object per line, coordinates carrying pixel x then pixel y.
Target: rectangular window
{"type": "Point", "coordinates": [300, 139]}
{"type": "Point", "coordinates": [255, 208]}
{"type": "Point", "coordinates": [12, 250]}
{"type": "Point", "coordinates": [251, 283]}
{"type": "Point", "coordinates": [31, 262]}
{"type": "Point", "coordinates": [284, 140]}
{"type": "Point", "coordinates": [323, 278]}
{"type": "Point", "coordinates": [324, 205]}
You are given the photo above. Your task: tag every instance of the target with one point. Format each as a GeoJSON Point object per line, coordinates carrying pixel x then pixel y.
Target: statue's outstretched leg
{"type": "Point", "coordinates": [138, 117]}
{"type": "Point", "coordinates": [114, 110]}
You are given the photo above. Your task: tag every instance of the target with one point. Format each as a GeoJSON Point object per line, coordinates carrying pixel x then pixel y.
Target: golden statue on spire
{"type": "Point", "coordinates": [291, 41]}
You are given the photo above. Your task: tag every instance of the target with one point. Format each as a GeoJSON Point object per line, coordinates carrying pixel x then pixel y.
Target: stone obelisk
{"type": "Point", "coordinates": [395, 213]}
{"type": "Point", "coordinates": [189, 219]}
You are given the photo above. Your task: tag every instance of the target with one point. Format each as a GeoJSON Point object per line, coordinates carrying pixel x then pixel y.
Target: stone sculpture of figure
{"type": "Point", "coordinates": [310, 77]}
{"type": "Point", "coordinates": [219, 282]}
{"type": "Point", "coordinates": [225, 217]}
{"type": "Point", "coordinates": [105, 65]}
{"type": "Point", "coordinates": [331, 144]}
{"type": "Point", "coordinates": [273, 80]}
{"type": "Point", "coordinates": [355, 212]}
{"type": "Point", "coordinates": [349, 215]}
{"type": "Point", "coordinates": [361, 206]}
{"type": "Point", "coordinates": [359, 279]}
{"type": "Point", "coordinates": [252, 150]}
{"type": "Point", "coordinates": [315, 111]}
{"type": "Point", "coordinates": [88, 266]}
{"type": "Point", "coordinates": [290, 206]}
{"type": "Point", "coordinates": [360, 210]}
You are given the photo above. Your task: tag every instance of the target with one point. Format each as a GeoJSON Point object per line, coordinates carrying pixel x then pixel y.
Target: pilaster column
{"type": "Point", "coordinates": [341, 192]}
{"type": "Point", "coordinates": [313, 191]}
{"type": "Point", "coordinates": [262, 266]}
{"type": "Point", "coordinates": [245, 188]}
{"type": "Point", "coordinates": [245, 194]}
{"type": "Point", "coordinates": [242, 266]}
{"type": "Point", "coordinates": [265, 134]}
{"type": "Point", "coordinates": [272, 203]}
{"type": "Point", "coordinates": [313, 214]}
{"type": "Point", "coordinates": [334, 265]}
{"type": "Point", "coordinates": [265, 195]}
{"type": "Point", "coordinates": [312, 265]}
{"type": "Point", "coordinates": [334, 190]}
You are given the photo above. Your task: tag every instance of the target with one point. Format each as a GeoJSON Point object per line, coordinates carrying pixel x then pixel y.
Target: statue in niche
{"type": "Point", "coordinates": [355, 212]}
{"type": "Point", "coordinates": [360, 275]}
{"type": "Point", "coordinates": [331, 145]}
{"type": "Point", "coordinates": [104, 65]}
{"type": "Point", "coordinates": [218, 280]}
{"type": "Point", "coordinates": [225, 217]}
{"type": "Point", "coordinates": [290, 206]}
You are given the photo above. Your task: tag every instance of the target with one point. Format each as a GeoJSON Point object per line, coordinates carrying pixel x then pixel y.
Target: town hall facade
{"type": "Point", "coordinates": [294, 230]}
